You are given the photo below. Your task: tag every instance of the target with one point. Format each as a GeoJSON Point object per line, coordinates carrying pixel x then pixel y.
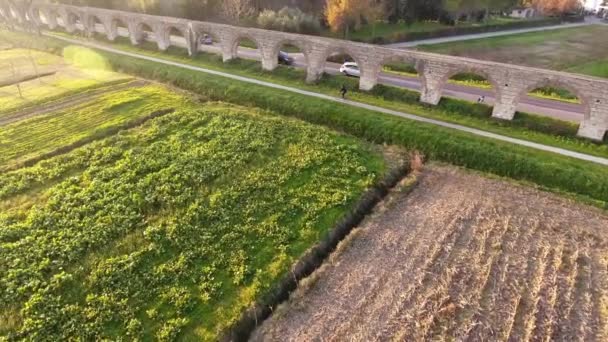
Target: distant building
{"type": "Point", "coordinates": [592, 5]}
{"type": "Point", "coordinates": [524, 12]}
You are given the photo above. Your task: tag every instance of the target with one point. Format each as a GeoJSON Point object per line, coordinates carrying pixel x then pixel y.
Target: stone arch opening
{"type": "Point", "coordinates": [176, 37]}
{"type": "Point", "coordinates": [344, 63]}
{"type": "Point", "coordinates": [246, 47]}
{"type": "Point", "coordinates": [291, 53]}
{"type": "Point", "coordinates": [400, 66]}
{"type": "Point", "coordinates": [481, 87]}
{"type": "Point", "coordinates": [144, 33]}
{"type": "Point", "coordinates": [567, 98]}
{"type": "Point", "coordinates": [96, 26]}
{"type": "Point", "coordinates": [119, 27]}
{"type": "Point", "coordinates": [207, 41]}
{"type": "Point", "coordinates": [74, 20]}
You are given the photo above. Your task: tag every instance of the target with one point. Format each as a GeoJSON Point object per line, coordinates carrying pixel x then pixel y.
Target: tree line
{"type": "Point", "coordinates": [309, 16]}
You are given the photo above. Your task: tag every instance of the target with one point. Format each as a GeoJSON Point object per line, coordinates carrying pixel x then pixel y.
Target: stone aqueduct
{"type": "Point", "coordinates": [510, 82]}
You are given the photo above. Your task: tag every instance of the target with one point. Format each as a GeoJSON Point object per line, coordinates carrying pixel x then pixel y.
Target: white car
{"type": "Point", "coordinates": [350, 69]}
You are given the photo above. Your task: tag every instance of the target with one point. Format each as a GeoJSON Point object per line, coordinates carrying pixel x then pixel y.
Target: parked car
{"type": "Point", "coordinates": [206, 40]}
{"type": "Point", "coordinates": [350, 69]}
{"type": "Point", "coordinates": [286, 59]}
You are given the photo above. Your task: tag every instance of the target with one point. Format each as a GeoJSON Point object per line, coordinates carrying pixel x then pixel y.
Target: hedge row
{"type": "Point", "coordinates": [545, 169]}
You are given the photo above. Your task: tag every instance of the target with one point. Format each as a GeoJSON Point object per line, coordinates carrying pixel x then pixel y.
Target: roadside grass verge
{"type": "Point", "coordinates": [545, 169]}
{"type": "Point", "coordinates": [539, 129]}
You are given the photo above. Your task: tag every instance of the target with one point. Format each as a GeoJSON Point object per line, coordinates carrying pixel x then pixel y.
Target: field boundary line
{"type": "Point", "coordinates": [473, 131]}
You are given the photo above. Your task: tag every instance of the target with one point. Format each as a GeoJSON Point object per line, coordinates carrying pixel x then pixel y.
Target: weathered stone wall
{"type": "Point", "coordinates": [510, 82]}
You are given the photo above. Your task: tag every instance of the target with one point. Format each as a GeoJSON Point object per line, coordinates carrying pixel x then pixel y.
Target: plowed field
{"type": "Point", "coordinates": [461, 257]}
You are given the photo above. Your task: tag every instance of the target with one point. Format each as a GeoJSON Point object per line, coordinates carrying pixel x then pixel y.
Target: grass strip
{"type": "Point", "coordinates": [545, 169]}
{"type": "Point", "coordinates": [539, 129]}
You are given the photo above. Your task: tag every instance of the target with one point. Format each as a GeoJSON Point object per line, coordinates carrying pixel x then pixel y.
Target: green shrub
{"type": "Point", "coordinates": [289, 20]}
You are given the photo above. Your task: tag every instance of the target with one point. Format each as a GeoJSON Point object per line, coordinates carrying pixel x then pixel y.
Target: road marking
{"type": "Point", "coordinates": [474, 131]}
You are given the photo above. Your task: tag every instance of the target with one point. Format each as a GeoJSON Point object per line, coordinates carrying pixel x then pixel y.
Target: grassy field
{"type": "Point", "coordinates": [62, 77]}
{"type": "Point", "coordinates": [530, 127]}
{"type": "Point", "coordinates": [583, 179]}
{"type": "Point", "coordinates": [573, 49]}
{"type": "Point", "coordinates": [459, 258]}
{"type": "Point", "coordinates": [30, 138]}
{"type": "Point", "coordinates": [160, 228]}
{"type": "Point", "coordinates": [392, 32]}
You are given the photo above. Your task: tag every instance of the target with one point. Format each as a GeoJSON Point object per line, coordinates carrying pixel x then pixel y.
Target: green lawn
{"type": "Point", "coordinates": [578, 49]}
{"type": "Point", "coordinates": [172, 228]}
{"type": "Point", "coordinates": [30, 138]}
{"type": "Point", "coordinates": [395, 32]}
{"type": "Point", "coordinates": [67, 79]}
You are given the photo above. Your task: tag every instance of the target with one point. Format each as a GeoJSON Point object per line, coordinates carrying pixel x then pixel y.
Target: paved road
{"type": "Point", "coordinates": [477, 132]}
{"type": "Point", "coordinates": [556, 109]}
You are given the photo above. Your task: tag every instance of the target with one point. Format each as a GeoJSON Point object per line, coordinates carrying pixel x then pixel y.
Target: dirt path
{"type": "Point", "coordinates": [462, 257]}
{"type": "Point", "coordinates": [66, 102]}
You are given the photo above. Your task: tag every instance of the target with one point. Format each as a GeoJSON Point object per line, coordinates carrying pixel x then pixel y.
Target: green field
{"type": "Point", "coordinates": [27, 139]}
{"type": "Point", "coordinates": [171, 228]}
{"type": "Point", "coordinates": [580, 49]}
{"type": "Point", "coordinates": [61, 78]}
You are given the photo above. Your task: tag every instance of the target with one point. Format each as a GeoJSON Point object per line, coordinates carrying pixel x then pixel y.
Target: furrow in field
{"type": "Point", "coordinates": [525, 311]}
{"type": "Point", "coordinates": [371, 268]}
{"type": "Point", "coordinates": [439, 250]}
{"type": "Point", "coordinates": [391, 290]}
{"type": "Point", "coordinates": [547, 296]}
{"type": "Point", "coordinates": [578, 328]}
{"type": "Point", "coordinates": [565, 291]}
{"type": "Point", "coordinates": [465, 290]}
{"type": "Point", "coordinates": [485, 321]}
{"type": "Point", "coordinates": [521, 271]}
{"type": "Point", "coordinates": [466, 266]}
{"type": "Point", "coordinates": [599, 286]}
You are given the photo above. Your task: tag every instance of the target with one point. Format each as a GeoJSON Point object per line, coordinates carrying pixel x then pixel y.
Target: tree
{"type": "Point", "coordinates": [556, 7]}
{"type": "Point", "coordinates": [236, 10]}
{"type": "Point", "coordinates": [344, 14]}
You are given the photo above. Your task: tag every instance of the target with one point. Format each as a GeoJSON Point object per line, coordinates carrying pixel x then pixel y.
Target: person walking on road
{"type": "Point", "coordinates": [343, 91]}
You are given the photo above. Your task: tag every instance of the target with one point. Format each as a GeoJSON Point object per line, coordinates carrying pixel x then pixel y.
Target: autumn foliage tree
{"type": "Point", "coordinates": [341, 15]}
{"type": "Point", "coordinates": [556, 6]}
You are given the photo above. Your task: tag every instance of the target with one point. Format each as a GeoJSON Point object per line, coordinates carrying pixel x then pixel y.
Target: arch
{"type": "Point", "coordinates": [92, 23]}
{"type": "Point", "coordinates": [494, 91]}
{"type": "Point", "coordinates": [341, 50]}
{"type": "Point", "coordinates": [119, 28]}
{"type": "Point", "coordinates": [234, 47]}
{"type": "Point", "coordinates": [400, 64]}
{"type": "Point", "coordinates": [301, 45]}
{"type": "Point", "coordinates": [141, 34]}
{"type": "Point", "coordinates": [199, 31]}
{"type": "Point", "coordinates": [171, 30]}
{"type": "Point", "coordinates": [585, 101]}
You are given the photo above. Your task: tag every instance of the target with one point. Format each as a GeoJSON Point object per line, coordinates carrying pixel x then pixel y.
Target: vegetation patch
{"type": "Point", "coordinates": [173, 228]}
{"type": "Point", "coordinates": [28, 139]}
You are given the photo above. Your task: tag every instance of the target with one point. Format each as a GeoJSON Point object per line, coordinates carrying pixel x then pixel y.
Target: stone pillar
{"type": "Point", "coordinates": [315, 67]}
{"type": "Point", "coordinates": [51, 19]}
{"type": "Point", "coordinates": [192, 40]}
{"type": "Point", "coordinates": [270, 56]}
{"type": "Point", "coordinates": [507, 99]}
{"type": "Point", "coordinates": [229, 51]}
{"type": "Point", "coordinates": [111, 29]}
{"type": "Point", "coordinates": [134, 34]}
{"type": "Point", "coordinates": [595, 124]}
{"type": "Point", "coordinates": [432, 77]}
{"type": "Point", "coordinates": [369, 76]}
{"type": "Point", "coordinates": [162, 36]}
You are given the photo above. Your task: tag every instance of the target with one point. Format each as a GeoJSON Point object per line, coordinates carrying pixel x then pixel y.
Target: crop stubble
{"type": "Point", "coordinates": [462, 257]}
